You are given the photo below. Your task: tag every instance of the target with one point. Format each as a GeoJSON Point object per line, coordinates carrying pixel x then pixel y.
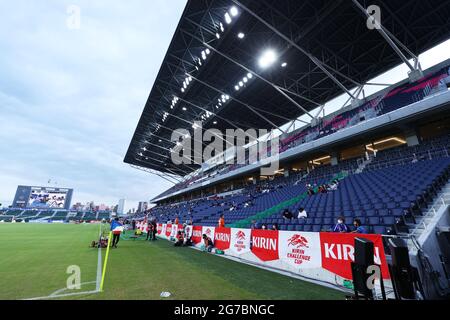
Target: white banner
{"type": "Point", "coordinates": [240, 241]}
{"type": "Point", "coordinates": [300, 249]}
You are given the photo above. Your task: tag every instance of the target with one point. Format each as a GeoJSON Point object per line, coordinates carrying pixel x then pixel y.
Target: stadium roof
{"type": "Point", "coordinates": [320, 49]}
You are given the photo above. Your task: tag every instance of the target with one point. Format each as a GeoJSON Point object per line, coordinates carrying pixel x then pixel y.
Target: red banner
{"type": "Point", "coordinates": [265, 244]}
{"type": "Point", "coordinates": [196, 234]}
{"type": "Point", "coordinates": [168, 230]}
{"type": "Point", "coordinates": [159, 228]}
{"type": "Point", "coordinates": [222, 238]}
{"type": "Point", "coordinates": [338, 251]}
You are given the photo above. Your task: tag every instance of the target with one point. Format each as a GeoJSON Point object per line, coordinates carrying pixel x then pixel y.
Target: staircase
{"type": "Point", "coordinates": [423, 222]}
{"type": "Point", "coordinates": [363, 165]}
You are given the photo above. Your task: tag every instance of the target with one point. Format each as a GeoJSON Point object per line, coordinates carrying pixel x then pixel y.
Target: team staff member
{"type": "Point", "coordinates": [116, 228]}
{"type": "Point", "coordinates": [222, 221]}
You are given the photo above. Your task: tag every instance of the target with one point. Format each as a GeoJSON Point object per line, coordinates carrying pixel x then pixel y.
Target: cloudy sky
{"type": "Point", "coordinates": [70, 98]}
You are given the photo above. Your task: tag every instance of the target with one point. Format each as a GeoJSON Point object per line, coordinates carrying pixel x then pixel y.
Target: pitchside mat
{"type": "Point", "coordinates": [40, 261]}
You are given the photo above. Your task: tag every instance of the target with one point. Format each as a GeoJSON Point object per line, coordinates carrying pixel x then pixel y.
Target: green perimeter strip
{"type": "Point", "coordinates": [268, 212]}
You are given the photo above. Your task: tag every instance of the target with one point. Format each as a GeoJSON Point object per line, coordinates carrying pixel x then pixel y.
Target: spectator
{"type": "Point", "coordinates": [275, 226]}
{"type": "Point", "coordinates": [264, 227]}
{"type": "Point", "coordinates": [358, 227]}
{"type": "Point", "coordinates": [340, 225]}
{"type": "Point", "coordinates": [222, 221]}
{"type": "Point", "coordinates": [177, 220]}
{"type": "Point", "coordinates": [302, 213]}
{"type": "Point", "coordinates": [180, 239]}
{"type": "Point", "coordinates": [310, 189]}
{"type": "Point", "coordinates": [209, 244]}
{"type": "Point", "coordinates": [253, 225]}
{"type": "Point", "coordinates": [287, 215]}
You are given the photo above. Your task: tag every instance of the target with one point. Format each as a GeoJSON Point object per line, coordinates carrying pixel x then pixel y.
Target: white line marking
{"type": "Point", "coordinates": [64, 295]}
{"type": "Point", "coordinates": [99, 263]}
{"type": "Point", "coordinates": [57, 292]}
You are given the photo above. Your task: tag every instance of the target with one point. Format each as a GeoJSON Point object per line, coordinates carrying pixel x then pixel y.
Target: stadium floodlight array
{"type": "Point", "coordinates": [165, 115]}
{"type": "Point", "coordinates": [243, 81]}
{"type": "Point", "coordinates": [228, 17]}
{"type": "Point", "coordinates": [174, 101]}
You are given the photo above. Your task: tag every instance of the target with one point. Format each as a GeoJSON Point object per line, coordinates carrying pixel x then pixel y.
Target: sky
{"type": "Point", "coordinates": [71, 94]}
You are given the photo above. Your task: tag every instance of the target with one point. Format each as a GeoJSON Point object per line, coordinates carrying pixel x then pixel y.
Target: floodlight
{"type": "Point", "coordinates": [267, 58]}
{"type": "Point", "coordinates": [236, 88]}
{"type": "Point", "coordinates": [241, 35]}
{"type": "Point", "coordinates": [234, 11]}
{"type": "Point", "coordinates": [227, 18]}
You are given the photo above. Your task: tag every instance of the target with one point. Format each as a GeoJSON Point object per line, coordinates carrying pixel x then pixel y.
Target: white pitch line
{"type": "Point", "coordinates": [99, 263]}
{"type": "Point", "coordinates": [63, 295]}
{"type": "Point", "coordinates": [57, 292]}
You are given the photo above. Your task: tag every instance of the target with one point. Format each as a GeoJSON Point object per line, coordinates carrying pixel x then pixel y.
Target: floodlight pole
{"type": "Point", "coordinates": [318, 63]}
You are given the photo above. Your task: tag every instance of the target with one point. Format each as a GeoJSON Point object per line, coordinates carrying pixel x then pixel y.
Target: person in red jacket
{"type": "Point", "coordinates": [222, 221]}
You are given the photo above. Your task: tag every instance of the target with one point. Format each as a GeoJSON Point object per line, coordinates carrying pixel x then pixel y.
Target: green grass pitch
{"type": "Point", "coordinates": [34, 260]}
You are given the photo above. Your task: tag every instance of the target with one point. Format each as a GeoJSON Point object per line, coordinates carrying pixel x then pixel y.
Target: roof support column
{"type": "Point", "coordinates": [318, 63]}
{"type": "Point", "coordinates": [415, 72]}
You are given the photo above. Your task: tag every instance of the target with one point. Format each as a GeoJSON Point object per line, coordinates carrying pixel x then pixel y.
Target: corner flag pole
{"type": "Point", "coordinates": [106, 261]}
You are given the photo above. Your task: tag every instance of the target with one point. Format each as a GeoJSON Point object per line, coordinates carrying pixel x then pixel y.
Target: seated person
{"type": "Point", "coordinates": [180, 239]}
{"type": "Point", "coordinates": [358, 227]}
{"type": "Point", "coordinates": [310, 189]}
{"type": "Point", "coordinates": [302, 213]}
{"type": "Point", "coordinates": [275, 226]}
{"type": "Point", "coordinates": [340, 226]}
{"type": "Point", "coordinates": [287, 215]}
{"type": "Point", "coordinates": [187, 241]}
{"type": "Point", "coordinates": [209, 245]}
